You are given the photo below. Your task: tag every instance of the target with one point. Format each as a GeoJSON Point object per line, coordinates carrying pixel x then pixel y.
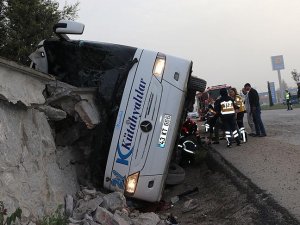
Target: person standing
{"type": "Point", "coordinates": [212, 118]}
{"type": "Point", "coordinates": [255, 110]}
{"type": "Point", "coordinates": [288, 100]}
{"type": "Point", "coordinates": [248, 111]}
{"type": "Point", "coordinates": [298, 92]}
{"type": "Point", "coordinates": [239, 112]}
{"type": "Point", "coordinates": [225, 107]}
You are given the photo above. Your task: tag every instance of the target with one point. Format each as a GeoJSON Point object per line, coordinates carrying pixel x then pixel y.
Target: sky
{"type": "Point", "coordinates": [229, 41]}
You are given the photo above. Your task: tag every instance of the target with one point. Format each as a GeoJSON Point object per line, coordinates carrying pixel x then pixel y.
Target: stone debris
{"type": "Point", "coordinates": [93, 207]}
{"type": "Point", "coordinates": [86, 206]}
{"type": "Point", "coordinates": [79, 103]}
{"type": "Point", "coordinates": [190, 205]}
{"type": "Point", "coordinates": [114, 201]}
{"type": "Point", "coordinates": [52, 113]}
{"type": "Point", "coordinates": [69, 205]}
{"type": "Point", "coordinates": [147, 219]}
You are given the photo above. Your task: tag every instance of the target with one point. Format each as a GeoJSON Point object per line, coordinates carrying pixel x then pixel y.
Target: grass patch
{"type": "Point", "coordinates": [57, 218]}
{"type": "Point", "coordinates": [278, 106]}
{"type": "Point", "coordinates": [6, 219]}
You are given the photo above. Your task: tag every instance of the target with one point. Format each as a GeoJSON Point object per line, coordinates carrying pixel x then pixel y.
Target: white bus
{"type": "Point", "coordinates": [143, 98]}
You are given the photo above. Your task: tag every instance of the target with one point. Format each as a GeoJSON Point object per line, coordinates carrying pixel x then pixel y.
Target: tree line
{"type": "Point", "coordinates": [24, 23]}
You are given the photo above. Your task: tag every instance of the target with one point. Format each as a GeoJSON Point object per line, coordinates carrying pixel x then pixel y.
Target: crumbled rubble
{"type": "Point", "coordinates": [79, 103]}
{"type": "Point", "coordinates": [74, 117]}
{"type": "Point", "coordinates": [91, 207]}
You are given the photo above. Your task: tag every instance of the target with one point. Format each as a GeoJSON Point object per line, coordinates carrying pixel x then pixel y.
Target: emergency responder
{"type": "Point", "coordinates": [288, 100]}
{"type": "Point", "coordinates": [225, 107]}
{"type": "Point", "coordinates": [239, 112]}
{"type": "Point", "coordinates": [212, 118]}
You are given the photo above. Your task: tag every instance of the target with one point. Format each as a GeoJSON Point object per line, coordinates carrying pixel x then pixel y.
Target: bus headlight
{"type": "Point", "coordinates": [131, 183]}
{"type": "Point", "coordinates": [159, 66]}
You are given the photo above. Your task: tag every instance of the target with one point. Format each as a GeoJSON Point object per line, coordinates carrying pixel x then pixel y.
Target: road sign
{"type": "Point", "coordinates": [277, 62]}
{"type": "Point", "coordinates": [273, 92]}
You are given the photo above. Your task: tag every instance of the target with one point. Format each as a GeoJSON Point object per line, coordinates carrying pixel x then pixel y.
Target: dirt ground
{"type": "Point", "coordinates": [227, 196]}
{"type": "Point", "coordinates": [223, 198]}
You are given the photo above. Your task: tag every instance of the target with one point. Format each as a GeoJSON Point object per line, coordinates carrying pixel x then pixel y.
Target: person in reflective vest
{"type": "Point", "coordinates": [225, 106]}
{"type": "Point", "coordinates": [239, 112]}
{"type": "Point", "coordinates": [288, 100]}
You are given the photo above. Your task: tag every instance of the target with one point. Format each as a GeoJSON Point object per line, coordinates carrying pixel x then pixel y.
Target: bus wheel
{"type": "Point", "coordinates": [197, 84]}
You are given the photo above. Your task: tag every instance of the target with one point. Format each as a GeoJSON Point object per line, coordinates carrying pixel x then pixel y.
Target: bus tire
{"type": "Point", "coordinates": [197, 84]}
{"type": "Point", "coordinates": [176, 174]}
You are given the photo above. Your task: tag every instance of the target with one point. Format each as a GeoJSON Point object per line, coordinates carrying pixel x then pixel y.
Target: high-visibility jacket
{"type": "Point", "coordinates": [240, 103]}
{"type": "Point", "coordinates": [227, 107]}
{"type": "Point", "coordinates": [287, 95]}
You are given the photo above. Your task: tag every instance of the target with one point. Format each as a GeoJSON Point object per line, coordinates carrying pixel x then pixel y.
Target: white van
{"type": "Point", "coordinates": [144, 96]}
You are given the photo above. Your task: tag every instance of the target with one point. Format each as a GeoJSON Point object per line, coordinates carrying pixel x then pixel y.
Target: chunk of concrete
{"type": "Point", "coordinates": [52, 113]}
{"type": "Point", "coordinates": [84, 207]}
{"type": "Point", "coordinates": [122, 217]}
{"type": "Point", "coordinates": [75, 101]}
{"type": "Point", "coordinates": [104, 217]}
{"type": "Point", "coordinates": [147, 219]}
{"type": "Point", "coordinates": [88, 112]}
{"type": "Point", "coordinates": [114, 201]}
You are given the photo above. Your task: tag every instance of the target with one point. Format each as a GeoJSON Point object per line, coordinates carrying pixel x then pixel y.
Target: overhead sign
{"type": "Point", "coordinates": [277, 62]}
{"type": "Point", "coordinates": [273, 92]}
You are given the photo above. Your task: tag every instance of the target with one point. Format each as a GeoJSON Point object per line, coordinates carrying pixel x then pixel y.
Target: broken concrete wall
{"type": "Point", "coordinates": [31, 176]}
{"type": "Point", "coordinates": [21, 84]}
{"type": "Point", "coordinates": [34, 175]}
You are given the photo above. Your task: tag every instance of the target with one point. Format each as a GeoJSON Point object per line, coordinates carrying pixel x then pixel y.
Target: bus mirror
{"type": "Point", "coordinates": [68, 27]}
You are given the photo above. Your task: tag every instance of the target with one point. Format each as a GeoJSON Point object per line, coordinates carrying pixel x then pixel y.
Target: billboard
{"type": "Point", "coordinates": [277, 62]}
{"type": "Point", "coordinates": [273, 92]}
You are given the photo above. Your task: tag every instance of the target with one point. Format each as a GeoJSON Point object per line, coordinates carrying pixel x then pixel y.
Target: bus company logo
{"type": "Point", "coordinates": [125, 149]}
{"type": "Point", "coordinates": [118, 180]}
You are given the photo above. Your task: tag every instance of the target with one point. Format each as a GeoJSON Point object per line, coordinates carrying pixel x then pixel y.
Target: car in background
{"type": "Point", "coordinates": [209, 96]}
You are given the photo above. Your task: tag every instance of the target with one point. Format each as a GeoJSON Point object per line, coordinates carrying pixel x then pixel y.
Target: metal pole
{"type": "Point", "coordinates": [280, 86]}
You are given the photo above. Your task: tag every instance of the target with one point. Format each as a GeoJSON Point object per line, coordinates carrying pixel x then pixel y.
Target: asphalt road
{"type": "Point", "coordinates": [272, 162]}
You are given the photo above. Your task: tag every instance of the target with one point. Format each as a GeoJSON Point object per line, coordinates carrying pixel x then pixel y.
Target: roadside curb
{"type": "Point", "coordinates": [269, 210]}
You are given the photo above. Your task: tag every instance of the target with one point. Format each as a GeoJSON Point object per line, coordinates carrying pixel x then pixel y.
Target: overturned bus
{"type": "Point", "coordinates": [143, 98]}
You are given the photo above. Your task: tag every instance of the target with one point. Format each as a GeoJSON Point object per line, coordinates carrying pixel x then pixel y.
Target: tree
{"type": "Point", "coordinates": [2, 21]}
{"type": "Point", "coordinates": [23, 24]}
{"type": "Point", "coordinates": [295, 76]}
